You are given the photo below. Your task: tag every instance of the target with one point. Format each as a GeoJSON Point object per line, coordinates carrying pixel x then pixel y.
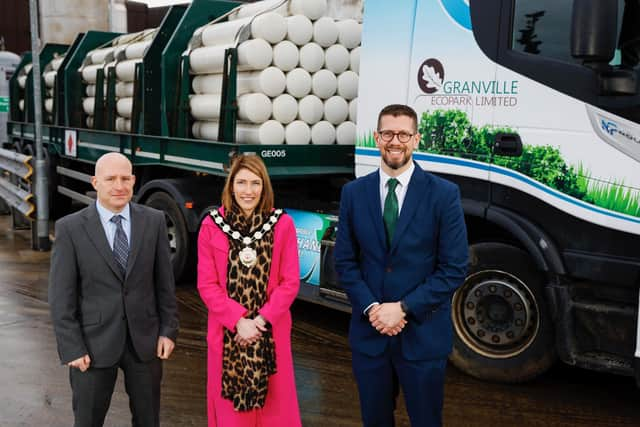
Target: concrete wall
{"type": "Point", "coordinates": [62, 20]}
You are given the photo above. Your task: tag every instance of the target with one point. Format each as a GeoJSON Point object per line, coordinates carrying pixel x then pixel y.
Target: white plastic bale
{"type": "Point", "coordinates": [98, 56]}
{"type": "Point", "coordinates": [119, 52]}
{"type": "Point", "coordinates": [205, 107]}
{"type": "Point", "coordinates": [22, 81]}
{"type": "Point", "coordinates": [271, 81]}
{"type": "Point", "coordinates": [312, 57]}
{"type": "Point", "coordinates": [207, 59]}
{"type": "Point", "coordinates": [298, 83]}
{"type": "Point", "coordinates": [90, 72]}
{"type": "Point", "coordinates": [254, 107]}
{"type": "Point", "coordinates": [223, 33]}
{"type": "Point", "coordinates": [323, 133]}
{"type": "Point", "coordinates": [324, 84]}
{"type": "Point", "coordinates": [48, 105]}
{"type": "Point", "coordinates": [88, 105]}
{"type": "Point", "coordinates": [325, 32]}
{"type": "Point", "coordinates": [21, 105]}
{"type": "Point", "coordinates": [346, 133]}
{"type": "Point", "coordinates": [336, 59]}
{"type": "Point", "coordinates": [50, 78]}
{"type": "Point", "coordinates": [299, 29]}
{"type": "Point", "coordinates": [126, 70]}
{"type": "Point", "coordinates": [259, 6]}
{"type": "Point", "coordinates": [297, 133]}
{"type": "Point", "coordinates": [349, 33]}
{"type": "Point", "coordinates": [286, 55]}
{"type": "Point", "coordinates": [310, 109]}
{"type": "Point", "coordinates": [269, 26]}
{"type": "Point", "coordinates": [336, 110]}
{"type": "Point", "coordinates": [56, 62]}
{"type": "Point", "coordinates": [211, 84]}
{"type": "Point", "coordinates": [285, 108]}
{"type": "Point", "coordinates": [123, 89]}
{"type": "Point", "coordinates": [354, 60]}
{"type": "Point", "coordinates": [252, 55]}
{"type": "Point", "coordinates": [89, 121]}
{"type": "Point", "coordinates": [90, 90]}
{"type": "Point", "coordinates": [353, 110]}
{"type": "Point", "coordinates": [124, 106]}
{"type": "Point", "coordinates": [123, 124]}
{"type": "Point", "coordinates": [348, 85]}
{"type": "Point", "coordinates": [137, 50]}
{"type": "Point", "coordinates": [312, 9]}
{"type": "Point", "coordinates": [270, 132]}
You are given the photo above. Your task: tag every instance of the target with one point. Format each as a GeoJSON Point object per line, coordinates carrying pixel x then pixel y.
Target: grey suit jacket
{"type": "Point", "coordinates": [92, 304]}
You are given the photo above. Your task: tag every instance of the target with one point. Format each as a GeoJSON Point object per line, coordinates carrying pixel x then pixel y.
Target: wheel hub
{"type": "Point", "coordinates": [495, 314]}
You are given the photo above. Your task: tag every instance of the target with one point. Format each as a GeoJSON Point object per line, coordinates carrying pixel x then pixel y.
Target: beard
{"type": "Point", "coordinates": [396, 163]}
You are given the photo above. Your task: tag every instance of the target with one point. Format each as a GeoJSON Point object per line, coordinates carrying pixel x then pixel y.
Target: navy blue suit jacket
{"type": "Point", "coordinates": [423, 266]}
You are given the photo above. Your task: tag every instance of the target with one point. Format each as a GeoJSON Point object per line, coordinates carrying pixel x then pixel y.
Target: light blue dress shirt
{"type": "Point", "coordinates": [109, 227]}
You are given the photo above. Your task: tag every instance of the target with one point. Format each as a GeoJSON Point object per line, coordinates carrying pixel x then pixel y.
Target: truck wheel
{"type": "Point", "coordinates": [503, 331]}
{"type": "Point", "coordinates": [176, 229]}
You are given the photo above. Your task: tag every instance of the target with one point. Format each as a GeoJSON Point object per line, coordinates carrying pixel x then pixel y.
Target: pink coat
{"type": "Point", "coordinates": [281, 406]}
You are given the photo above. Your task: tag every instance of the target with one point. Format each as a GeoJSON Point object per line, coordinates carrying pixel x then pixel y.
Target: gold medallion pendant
{"type": "Point", "coordinates": [248, 256]}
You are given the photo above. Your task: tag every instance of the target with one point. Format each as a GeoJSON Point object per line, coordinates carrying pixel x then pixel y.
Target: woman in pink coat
{"type": "Point", "coordinates": [248, 277]}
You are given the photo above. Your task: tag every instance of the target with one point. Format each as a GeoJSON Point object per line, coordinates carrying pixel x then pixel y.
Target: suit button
{"type": "Point", "coordinates": [389, 269]}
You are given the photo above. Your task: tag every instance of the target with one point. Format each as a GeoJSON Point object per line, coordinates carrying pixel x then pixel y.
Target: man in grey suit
{"type": "Point", "coordinates": [112, 298]}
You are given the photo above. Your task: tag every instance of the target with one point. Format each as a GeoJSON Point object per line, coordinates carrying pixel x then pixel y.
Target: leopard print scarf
{"type": "Point", "coordinates": [246, 370]}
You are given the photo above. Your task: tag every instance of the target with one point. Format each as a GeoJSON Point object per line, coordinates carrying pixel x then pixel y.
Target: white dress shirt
{"type": "Point", "coordinates": [401, 188]}
{"type": "Point", "coordinates": [110, 227]}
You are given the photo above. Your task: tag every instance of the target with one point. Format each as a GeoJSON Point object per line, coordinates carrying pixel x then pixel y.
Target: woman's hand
{"type": "Point", "coordinates": [247, 332]}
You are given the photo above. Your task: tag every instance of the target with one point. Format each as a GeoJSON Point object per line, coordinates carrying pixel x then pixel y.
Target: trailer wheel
{"type": "Point", "coordinates": [176, 229]}
{"type": "Point", "coordinates": [503, 331]}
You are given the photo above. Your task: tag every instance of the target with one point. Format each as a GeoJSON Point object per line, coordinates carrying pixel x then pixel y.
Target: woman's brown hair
{"type": "Point", "coordinates": [255, 165]}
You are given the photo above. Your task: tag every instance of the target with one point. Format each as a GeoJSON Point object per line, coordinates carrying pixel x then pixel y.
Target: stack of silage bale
{"type": "Point", "coordinates": [49, 75]}
{"type": "Point", "coordinates": [298, 74]}
{"type": "Point", "coordinates": [123, 53]}
{"type": "Point", "coordinates": [126, 59]}
{"type": "Point", "coordinates": [22, 82]}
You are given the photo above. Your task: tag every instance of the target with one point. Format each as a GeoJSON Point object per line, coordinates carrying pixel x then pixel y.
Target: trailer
{"type": "Point", "coordinates": [530, 107]}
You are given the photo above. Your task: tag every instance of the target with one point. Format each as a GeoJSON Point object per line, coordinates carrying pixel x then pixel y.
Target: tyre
{"type": "Point", "coordinates": [176, 229]}
{"type": "Point", "coordinates": [503, 330]}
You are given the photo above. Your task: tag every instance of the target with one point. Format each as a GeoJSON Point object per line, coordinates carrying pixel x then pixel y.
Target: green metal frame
{"type": "Point", "coordinates": [60, 87]}
{"type": "Point", "coordinates": [15, 90]}
{"type": "Point", "coordinates": [110, 107]}
{"type": "Point", "coordinates": [170, 116]}
{"type": "Point", "coordinates": [74, 88]}
{"type": "Point", "coordinates": [174, 71]}
{"type": "Point", "coordinates": [151, 77]}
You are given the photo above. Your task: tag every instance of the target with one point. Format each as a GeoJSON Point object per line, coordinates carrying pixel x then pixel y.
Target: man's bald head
{"type": "Point", "coordinates": [109, 160]}
{"type": "Point", "coordinates": [113, 181]}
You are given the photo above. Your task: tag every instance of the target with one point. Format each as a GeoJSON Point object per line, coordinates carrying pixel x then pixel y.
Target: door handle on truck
{"type": "Point", "coordinates": [507, 144]}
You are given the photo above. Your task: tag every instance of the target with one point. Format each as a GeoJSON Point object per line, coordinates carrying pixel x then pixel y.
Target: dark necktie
{"type": "Point", "coordinates": [120, 244]}
{"type": "Point", "coordinates": [390, 213]}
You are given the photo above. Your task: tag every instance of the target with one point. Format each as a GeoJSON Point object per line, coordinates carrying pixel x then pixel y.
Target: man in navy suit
{"type": "Point", "coordinates": [401, 252]}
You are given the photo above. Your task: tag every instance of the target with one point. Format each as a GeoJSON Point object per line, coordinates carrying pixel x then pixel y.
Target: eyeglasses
{"type": "Point", "coordinates": [387, 136]}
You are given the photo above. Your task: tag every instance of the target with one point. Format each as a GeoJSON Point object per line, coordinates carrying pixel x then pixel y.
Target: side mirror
{"type": "Point", "coordinates": [593, 35]}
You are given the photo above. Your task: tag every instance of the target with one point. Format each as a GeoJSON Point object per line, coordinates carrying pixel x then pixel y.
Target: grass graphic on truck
{"type": "Point", "coordinates": [450, 133]}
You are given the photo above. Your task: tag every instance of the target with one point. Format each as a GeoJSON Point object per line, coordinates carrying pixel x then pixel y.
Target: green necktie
{"type": "Point", "coordinates": [390, 213]}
